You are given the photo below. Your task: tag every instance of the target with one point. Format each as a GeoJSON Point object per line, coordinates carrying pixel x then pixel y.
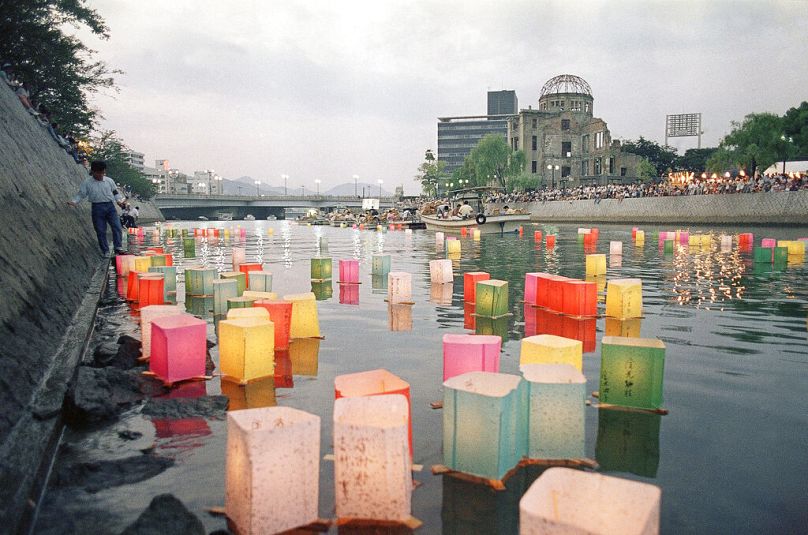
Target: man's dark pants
{"type": "Point", "coordinates": [104, 213]}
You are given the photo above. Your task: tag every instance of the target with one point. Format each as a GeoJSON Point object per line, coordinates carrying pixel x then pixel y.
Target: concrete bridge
{"type": "Point", "coordinates": [193, 206]}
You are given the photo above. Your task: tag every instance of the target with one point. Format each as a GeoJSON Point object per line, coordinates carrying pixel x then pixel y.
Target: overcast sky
{"type": "Point", "coordinates": [331, 89]}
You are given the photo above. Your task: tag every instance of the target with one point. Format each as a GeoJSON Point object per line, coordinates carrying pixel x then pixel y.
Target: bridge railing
{"type": "Point", "coordinates": [334, 198]}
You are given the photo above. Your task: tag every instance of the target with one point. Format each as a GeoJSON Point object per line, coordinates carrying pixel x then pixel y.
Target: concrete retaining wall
{"type": "Point", "coordinates": [774, 208]}
{"type": "Point", "coordinates": [148, 212]}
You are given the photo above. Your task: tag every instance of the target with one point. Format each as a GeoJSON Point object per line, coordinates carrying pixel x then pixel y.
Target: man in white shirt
{"type": "Point", "coordinates": [102, 192]}
{"type": "Point", "coordinates": [466, 210]}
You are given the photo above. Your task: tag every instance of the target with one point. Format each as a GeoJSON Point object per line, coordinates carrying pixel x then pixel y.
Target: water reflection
{"type": "Point", "coordinates": [628, 441]}
{"type": "Point", "coordinates": [628, 328]}
{"type": "Point", "coordinates": [492, 326]}
{"type": "Point", "coordinates": [378, 283]}
{"type": "Point", "coordinates": [253, 395]}
{"type": "Point", "coordinates": [469, 316]}
{"type": "Point", "coordinates": [182, 434]}
{"type": "Point", "coordinates": [547, 322]}
{"type": "Point", "coordinates": [441, 294]}
{"type": "Point", "coordinates": [304, 353]}
{"type": "Point", "coordinates": [283, 369]}
{"type": "Point", "coordinates": [349, 294]}
{"type": "Point", "coordinates": [322, 290]}
{"type": "Point", "coordinates": [200, 306]}
{"type": "Point", "coordinates": [707, 278]}
{"type": "Point", "coordinates": [399, 317]}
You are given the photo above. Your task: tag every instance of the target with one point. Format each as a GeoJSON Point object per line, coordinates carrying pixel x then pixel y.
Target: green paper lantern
{"type": "Point", "coordinates": [199, 281]}
{"type": "Point", "coordinates": [381, 265]}
{"type": "Point", "coordinates": [321, 269]}
{"type": "Point", "coordinates": [240, 302]}
{"type": "Point", "coordinates": [780, 255]}
{"type": "Point", "coordinates": [492, 298]}
{"type": "Point", "coordinates": [189, 247]}
{"type": "Point", "coordinates": [631, 372]}
{"type": "Point", "coordinates": [239, 277]}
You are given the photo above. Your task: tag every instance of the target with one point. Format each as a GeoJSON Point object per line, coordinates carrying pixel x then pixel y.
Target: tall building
{"type": "Point", "coordinates": [133, 158]}
{"type": "Point", "coordinates": [564, 144]}
{"type": "Point", "coordinates": [457, 136]}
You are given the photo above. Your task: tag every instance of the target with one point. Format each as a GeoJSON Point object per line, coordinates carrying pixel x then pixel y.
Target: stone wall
{"type": "Point", "coordinates": [774, 208]}
{"type": "Point", "coordinates": [48, 253]}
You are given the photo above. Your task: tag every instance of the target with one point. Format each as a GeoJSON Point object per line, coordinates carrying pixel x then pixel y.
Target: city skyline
{"type": "Point", "coordinates": [321, 91]}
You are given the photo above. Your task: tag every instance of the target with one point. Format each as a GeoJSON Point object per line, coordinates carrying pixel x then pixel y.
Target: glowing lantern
{"type": "Point", "coordinates": [260, 281]}
{"type": "Point", "coordinates": [579, 298]}
{"type": "Point", "coordinates": [132, 285]}
{"type": "Point", "coordinates": [634, 232]}
{"type": "Point", "coordinates": [260, 295]}
{"type": "Point", "coordinates": [484, 431]}
{"type": "Point", "coordinates": [247, 268]}
{"type": "Point", "coordinates": [630, 328]}
{"type": "Point", "coordinates": [796, 247]}
{"type": "Point", "coordinates": [178, 347]}
{"type": "Point", "coordinates": [624, 298]}
{"type": "Point", "coordinates": [151, 289]}
{"type": "Point", "coordinates": [374, 383]}
{"type": "Point", "coordinates": [537, 236]}
{"type": "Point", "coordinates": [142, 263]}
{"type": "Point", "coordinates": [380, 265]}
{"type": "Point", "coordinates": [707, 240]}
{"type": "Point", "coordinates": [372, 465]}
{"type": "Point", "coordinates": [189, 247]}
{"type": "Point", "coordinates": [615, 247]}
{"type": "Point", "coordinates": [453, 246]}
{"type": "Point", "coordinates": [531, 287]}
{"type": "Point", "coordinates": [550, 240]}
{"type": "Point", "coordinates": [247, 348]}
{"type": "Point", "coordinates": [595, 264]}
{"type": "Point", "coordinates": [764, 255]}
{"type": "Point", "coordinates": [470, 281]}
{"type": "Point", "coordinates": [147, 314]}
{"type": "Point", "coordinates": [768, 242]}
{"type": "Point", "coordinates": [555, 292]}
{"type": "Point", "coordinates": [475, 234]}
{"type": "Point", "coordinates": [223, 290]}
{"type": "Point", "coordinates": [726, 242]}
{"type": "Point", "coordinates": [551, 349]}
{"type": "Point", "coordinates": [304, 322]}
{"type": "Point", "coordinates": [122, 264]}
{"type": "Point", "coordinates": [169, 276]}
{"type": "Point", "coordinates": [399, 287]}
{"type": "Point", "coordinates": [566, 501]}
{"type": "Point", "coordinates": [684, 237]}
{"type": "Point", "coordinates": [349, 294]}
{"type": "Point", "coordinates": [250, 312]}
{"type": "Point", "coordinates": [280, 312]}
{"type": "Point", "coordinates": [463, 232]}
{"type": "Point", "coordinates": [780, 255]}
{"type": "Point", "coordinates": [321, 269]}
{"type": "Point", "coordinates": [239, 257]}
{"type": "Point", "coordinates": [199, 281]}
{"type": "Point", "coordinates": [322, 290]}
{"type": "Point", "coordinates": [441, 271]}
{"type": "Point", "coordinates": [240, 302]}
{"type": "Point", "coordinates": [746, 239]}
{"type": "Point", "coordinates": [272, 472]}
{"type": "Point", "coordinates": [628, 441]}
{"type": "Point", "coordinates": [439, 237]}
{"type": "Point", "coordinates": [668, 246]}
{"type": "Point", "coordinates": [556, 394]}
{"type": "Point", "coordinates": [492, 298]}
{"type": "Point", "coordinates": [464, 353]}
{"type": "Point", "coordinates": [542, 297]}
{"type": "Point", "coordinates": [239, 277]}
{"type": "Point", "coordinates": [639, 238]}
{"type": "Point", "coordinates": [631, 372]}
{"type": "Point", "coordinates": [349, 271]}
{"type": "Point", "coordinates": [158, 260]}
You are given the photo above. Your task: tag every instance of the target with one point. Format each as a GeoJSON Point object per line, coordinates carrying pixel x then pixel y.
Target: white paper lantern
{"type": "Point", "coordinates": [399, 287]}
{"type": "Point", "coordinates": [441, 271]}
{"type": "Point", "coordinates": [147, 314]}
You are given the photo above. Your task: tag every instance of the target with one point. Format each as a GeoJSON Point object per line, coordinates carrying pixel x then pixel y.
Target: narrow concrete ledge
{"type": "Point", "coordinates": [27, 453]}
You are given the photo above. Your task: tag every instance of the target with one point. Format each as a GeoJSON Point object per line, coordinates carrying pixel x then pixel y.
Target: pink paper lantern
{"type": "Point", "coordinates": [531, 287]}
{"type": "Point", "coordinates": [178, 347]}
{"type": "Point", "coordinates": [470, 353]}
{"type": "Point", "coordinates": [349, 271]}
{"type": "Point", "coordinates": [768, 242]}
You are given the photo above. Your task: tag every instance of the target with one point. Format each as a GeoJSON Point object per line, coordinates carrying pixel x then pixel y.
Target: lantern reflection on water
{"type": "Point", "coordinates": [349, 294]}
{"type": "Point", "coordinates": [470, 353]}
{"type": "Point", "coordinates": [260, 281]}
{"type": "Point", "coordinates": [567, 501]}
{"type": "Point", "coordinates": [246, 348]}
{"type": "Point", "coordinates": [441, 294]}
{"type": "Point", "coordinates": [304, 322]}
{"type": "Point", "coordinates": [492, 327]}
{"type": "Point", "coordinates": [631, 372]}
{"type": "Point", "coordinates": [628, 441]}
{"type": "Point", "coordinates": [630, 328]}
{"type": "Point", "coordinates": [304, 355]}
{"type": "Point", "coordinates": [469, 316]}
{"type": "Point", "coordinates": [551, 349]}
{"type": "Point", "coordinates": [178, 347]}
{"type": "Point", "coordinates": [399, 317]}
{"type": "Point", "coordinates": [272, 472]}
{"type": "Point", "coordinates": [372, 465]}
{"type": "Point", "coordinates": [253, 395]}
{"type": "Point", "coordinates": [322, 290]}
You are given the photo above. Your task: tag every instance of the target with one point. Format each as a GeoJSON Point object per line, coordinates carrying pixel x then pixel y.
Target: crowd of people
{"type": "Point", "coordinates": [42, 115]}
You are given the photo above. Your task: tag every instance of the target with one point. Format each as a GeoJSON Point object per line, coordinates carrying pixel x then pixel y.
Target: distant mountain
{"type": "Point", "coordinates": [349, 188]}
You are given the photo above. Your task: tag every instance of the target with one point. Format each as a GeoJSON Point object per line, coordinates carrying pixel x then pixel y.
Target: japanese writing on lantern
{"type": "Point", "coordinates": [629, 378]}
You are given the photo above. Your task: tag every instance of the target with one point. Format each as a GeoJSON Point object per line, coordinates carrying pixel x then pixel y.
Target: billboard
{"type": "Point", "coordinates": [683, 125]}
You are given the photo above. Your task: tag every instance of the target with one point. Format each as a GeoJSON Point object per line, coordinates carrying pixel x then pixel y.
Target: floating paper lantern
{"type": "Point", "coordinates": [372, 465]}
{"type": "Point", "coordinates": [399, 287]}
{"type": "Point", "coordinates": [796, 247]}
{"type": "Point", "coordinates": [441, 271]}
{"type": "Point", "coordinates": [579, 298]}
{"type": "Point", "coordinates": [554, 292]}
{"type": "Point", "coordinates": [380, 264]}
{"type": "Point", "coordinates": [151, 289]}
{"type": "Point", "coordinates": [199, 281]}
{"type": "Point", "coordinates": [582, 231]}
{"type": "Point", "coordinates": [260, 281]}
{"type": "Point", "coordinates": [132, 285]}
{"type": "Point", "coordinates": [631, 372]}
{"type": "Point", "coordinates": [639, 237]}
{"type": "Point", "coordinates": [249, 312]}
{"type": "Point", "coordinates": [551, 349]}
{"type": "Point", "coordinates": [304, 356]}
{"type": "Point", "coordinates": [567, 501]}
{"type": "Point", "coordinates": [628, 441]}
{"type": "Point", "coordinates": [122, 264]}
{"type": "Point", "coordinates": [147, 314]}
{"type": "Point", "coordinates": [492, 298]}
{"type": "Point", "coordinates": [684, 237]}
{"type": "Point", "coordinates": [239, 257]}
{"type": "Point", "coordinates": [763, 255]}
{"type": "Point", "coordinates": [439, 238]}
{"type": "Point", "coordinates": [349, 271]}
{"type": "Point", "coordinates": [349, 294]}
{"type": "Point", "coordinates": [556, 395]}
{"type": "Point", "coordinates": [746, 239]}
{"type": "Point", "coordinates": [484, 431]}
{"type": "Point", "coordinates": [634, 232]}
{"type": "Point", "coordinates": [668, 246]}
{"type": "Point", "coordinates": [169, 276]}
{"type": "Point", "coordinates": [246, 268]}
{"type": "Point", "coordinates": [624, 298]}
{"type": "Point", "coordinates": [178, 347]}
{"type": "Point", "coordinates": [223, 290]}
{"type": "Point", "coordinates": [531, 287]}
{"type": "Point", "coordinates": [780, 255]}
{"type": "Point", "coordinates": [537, 236]}
{"type": "Point", "coordinates": [464, 353]}
{"type": "Point", "coordinates": [595, 264]}
{"type": "Point", "coordinates": [453, 246]}
{"type": "Point", "coordinates": [321, 269]}
{"type": "Point", "coordinates": [629, 328]}
{"type": "Point", "coordinates": [550, 240]}
{"type": "Point", "coordinates": [441, 294]}
{"type": "Point", "coordinates": [272, 472]}
{"type": "Point", "coordinates": [260, 295]}
{"type": "Point", "coordinates": [768, 242]}
{"type": "Point", "coordinates": [240, 302]}
{"type": "Point", "coordinates": [280, 312]}
{"type": "Point", "coordinates": [304, 322]}
{"type": "Point", "coordinates": [246, 348]}
{"type": "Point", "coordinates": [239, 277]}
{"type": "Point", "coordinates": [142, 263]}
{"type": "Point", "coordinates": [726, 242]}
{"type": "Point", "coordinates": [542, 290]}
{"type": "Point", "coordinates": [158, 260]}
{"type": "Point", "coordinates": [470, 280]}
{"type": "Point", "coordinates": [615, 247]}
{"type": "Point", "coordinates": [189, 247]}
{"type": "Point", "coordinates": [475, 234]}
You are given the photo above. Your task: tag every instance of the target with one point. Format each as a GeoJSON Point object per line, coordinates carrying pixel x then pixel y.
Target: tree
{"type": "Point", "coordinates": [695, 159]}
{"type": "Point", "coordinates": [646, 171]}
{"type": "Point", "coordinates": [58, 69]}
{"type": "Point", "coordinates": [493, 159]}
{"type": "Point", "coordinates": [430, 173]}
{"type": "Point", "coordinates": [524, 182]}
{"type": "Point", "coordinates": [795, 126]}
{"type": "Point", "coordinates": [108, 147]}
{"type": "Point", "coordinates": [661, 157]}
{"type": "Point", "coordinates": [756, 142]}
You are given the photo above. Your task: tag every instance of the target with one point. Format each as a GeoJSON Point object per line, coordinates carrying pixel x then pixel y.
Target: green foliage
{"type": "Point", "coordinates": [663, 158]}
{"type": "Point", "coordinates": [695, 159]}
{"type": "Point", "coordinates": [756, 142]}
{"type": "Point", "coordinates": [110, 148]}
{"type": "Point", "coordinates": [492, 160]}
{"type": "Point", "coordinates": [795, 126]}
{"type": "Point", "coordinates": [646, 171]}
{"type": "Point", "coordinates": [524, 182]}
{"type": "Point", "coordinates": [430, 174]}
{"type": "Point", "coordinates": [58, 69]}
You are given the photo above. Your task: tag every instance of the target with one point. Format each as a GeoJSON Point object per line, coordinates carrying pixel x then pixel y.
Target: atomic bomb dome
{"type": "Point", "coordinates": [566, 83]}
{"type": "Point", "coordinates": [566, 92]}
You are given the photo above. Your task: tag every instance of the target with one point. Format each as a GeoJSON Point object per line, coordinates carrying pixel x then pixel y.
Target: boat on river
{"type": "Point", "coordinates": [487, 223]}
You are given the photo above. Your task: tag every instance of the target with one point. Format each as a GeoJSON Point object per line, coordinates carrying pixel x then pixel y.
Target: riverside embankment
{"type": "Point", "coordinates": [773, 208]}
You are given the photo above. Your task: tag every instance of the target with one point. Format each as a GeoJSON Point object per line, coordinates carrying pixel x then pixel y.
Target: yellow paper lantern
{"type": "Point", "coordinates": [305, 323]}
{"type": "Point", "coordinates": [260, 295]}
{"type": "Point", "coordinates": [595, 264]}
{"type": "Point", "coordinates": [551, 349]}
{"type": "Point", "coordinates": [142, 263]}
{"type": "Point", "coordinates": [624, 298]}
{"type": "Point", "coordinates": [247, 348]}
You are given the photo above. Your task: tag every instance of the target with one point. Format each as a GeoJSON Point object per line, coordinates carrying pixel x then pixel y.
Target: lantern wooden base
{"type": "Point", "coordinates": [609, 406]}
{"type": "Point", "coordinates": [570, 463]}
{"type": "Point", "coordinates": [348, 283]}
{"type": "Point", "coordinates": [236, 380]}
{"type": "Point", "coordinates": [436, 405]}
{"type": "Point", "coordinates": [495, 484]}
{"type": "Point", "coordinates": [389, 526]}
{"type": "Point", "coordinates": [168, 384]}
{"type": "Point", "coordinates": [493, 317]}
{"type": "Point", "coordinates": [401, 302]}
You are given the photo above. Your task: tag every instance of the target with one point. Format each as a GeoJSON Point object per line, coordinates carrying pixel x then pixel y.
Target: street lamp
{"type": "Point", "coordinates": [380, 181]}
{"type": "Point", "coordinates": [218, 180]}
{"type": "Point", "coordinates": [554, 168]}
{"type": "Point", "coordinates": [258, 187]}
{"type": "Point", "coordinates": [356, 185]}
{"type": "Point", "coordinates": [785, 149]}
{"type": "Point", "coordinates": [201, 185]}
{"type": "Point", "coordinates": [317, 181]}
{"type": "Point", "coordinates": [285, 178]}
{"type": "Point", "coordinates": [302, 190]}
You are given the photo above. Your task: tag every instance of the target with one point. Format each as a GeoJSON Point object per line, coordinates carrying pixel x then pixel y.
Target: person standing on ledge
{"type": "Point", "coordinates": [102, 193]}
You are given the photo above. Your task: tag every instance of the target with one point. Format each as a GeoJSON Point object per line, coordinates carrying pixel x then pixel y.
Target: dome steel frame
{"type": "Point", "coordinates": [565, 83]}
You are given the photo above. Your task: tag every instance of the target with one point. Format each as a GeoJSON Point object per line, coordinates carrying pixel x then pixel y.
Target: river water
{"type": "Point", "coordinates": [730, 457]}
